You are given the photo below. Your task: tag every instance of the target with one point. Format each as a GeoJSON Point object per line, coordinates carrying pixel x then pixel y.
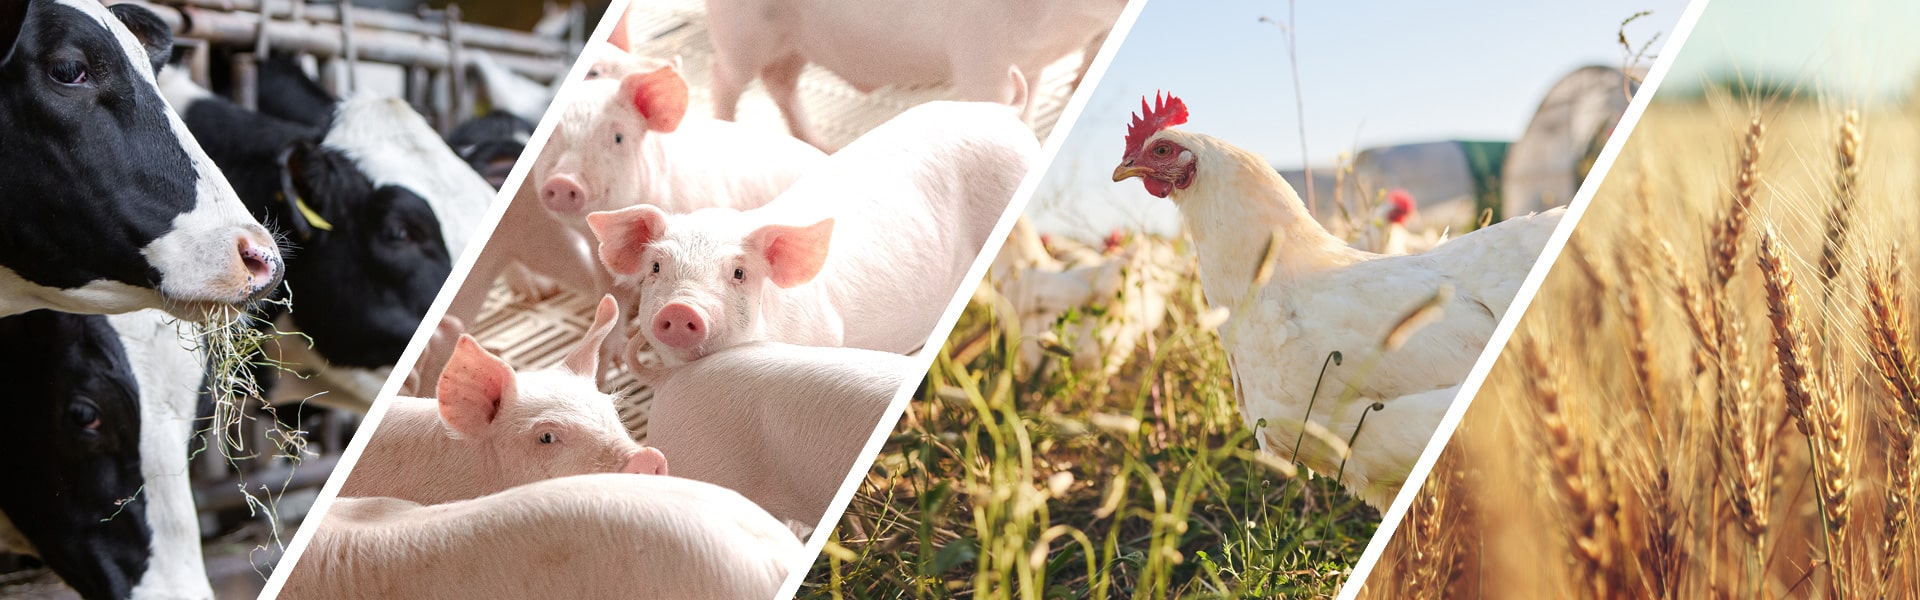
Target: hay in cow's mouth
{"type": "Point", "coordinates": [232, 338]}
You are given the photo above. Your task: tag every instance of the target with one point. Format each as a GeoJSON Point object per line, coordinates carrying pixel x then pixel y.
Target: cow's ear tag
{"type": "Point", "coordinates": [304, 219]}
{"type": "Point", "coordinates": [313, 217]}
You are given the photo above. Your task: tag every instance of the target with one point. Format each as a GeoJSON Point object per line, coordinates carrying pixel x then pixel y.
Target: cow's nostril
{"type": "Point", "coordinates": [262, 263]}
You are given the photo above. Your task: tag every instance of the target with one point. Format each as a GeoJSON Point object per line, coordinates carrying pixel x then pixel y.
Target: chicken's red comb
{"type": "Point", "coordinates": [1401, 198]}
{"type": "Point", "coordinates": [1167, 110]}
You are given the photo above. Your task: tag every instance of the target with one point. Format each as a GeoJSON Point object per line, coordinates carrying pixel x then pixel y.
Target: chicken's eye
{"type": "Point", "coordinates": [1160, 150]}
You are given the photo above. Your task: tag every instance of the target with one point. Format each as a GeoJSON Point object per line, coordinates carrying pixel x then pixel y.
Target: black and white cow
{"type": "Point", "coordinates": [286, 92]}
{"type": "Point", "coordinates": [394, 206]}
{"type": "Point", "coordinates": [391, 142]}
{"type": "Point", "coordinates": [491, 144]}
{"type": "Point", "coordinates": [107, 203]}
{"type": "Point", "coordinates": [366, 259]}
{"type": "Point", "coordinates": [94, 433]}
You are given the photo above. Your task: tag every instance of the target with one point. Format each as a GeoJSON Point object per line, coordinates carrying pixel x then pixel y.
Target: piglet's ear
{"type": "Point", "coordinates": [794, 255]}
{"type": "Point", "coordinates": [474, 388]}
{"type": "Point", "coordinates": [625, 233]}
{"type": "Point", "coordinates": [584, 360]}
{"type": "Point", "coordinates": [660, 96]}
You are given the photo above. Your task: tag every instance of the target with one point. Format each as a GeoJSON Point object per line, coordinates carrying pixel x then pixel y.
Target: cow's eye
{"type": "Point", "coordinates": [546, 438]}
{"type": "Point", "coordinates": [69, 72]}
{"type": "Point", "coordinates": [656, 266]}
{"type": "Point", "coordinates": [84, 414]}
{"type": "Point", "coordinates": [739, 274]}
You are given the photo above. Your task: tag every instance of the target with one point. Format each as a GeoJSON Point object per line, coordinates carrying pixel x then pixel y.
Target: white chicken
{"type": "Point", "coordinates": [1121, 289]}
{"type": "Point", "coordinates": [1315, 295]}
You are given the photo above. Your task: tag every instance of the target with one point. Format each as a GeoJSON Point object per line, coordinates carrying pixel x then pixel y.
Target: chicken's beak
{"type": "Point", "coordinates": [1126, 171]}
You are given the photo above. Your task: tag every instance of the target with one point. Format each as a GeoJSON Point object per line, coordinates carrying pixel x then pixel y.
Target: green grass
{"type": "Point", "coordinates": [1074, 485]}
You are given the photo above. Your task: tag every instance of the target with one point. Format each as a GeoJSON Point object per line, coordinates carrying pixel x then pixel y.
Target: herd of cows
{"type": "Point", "coordinates": [766, 291]}
{"type": "Point", "coordinates": [139, 195]}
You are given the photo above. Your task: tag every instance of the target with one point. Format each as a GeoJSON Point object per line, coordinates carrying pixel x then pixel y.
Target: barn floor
{"type": "Point", "coordinates": [535, 333]}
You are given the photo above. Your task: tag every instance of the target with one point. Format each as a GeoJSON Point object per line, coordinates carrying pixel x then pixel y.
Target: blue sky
{"type": "Point", "coordinates": [1373, 73]}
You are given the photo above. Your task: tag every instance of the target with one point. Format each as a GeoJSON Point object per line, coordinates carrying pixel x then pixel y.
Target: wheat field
{"type": "Point", "coordinates": [1713, 394]}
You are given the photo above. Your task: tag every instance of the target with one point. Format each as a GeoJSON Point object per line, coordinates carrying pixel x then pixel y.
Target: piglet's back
{"type": "Point", "coordinates": [587, 536]}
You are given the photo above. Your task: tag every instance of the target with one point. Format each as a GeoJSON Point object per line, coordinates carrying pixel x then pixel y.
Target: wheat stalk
{"type": "Point", "coordinates": [1846, 189]}
{"type": "Point", "coordinates": [1813, 400]}
{"type": "Point", "coordinates": [1727, 241]}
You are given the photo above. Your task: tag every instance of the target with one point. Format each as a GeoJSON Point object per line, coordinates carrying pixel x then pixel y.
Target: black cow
{"type": "Point", "coordinates": [488, 144]}
{"type": "Point", "coordinates": [491, 144]}
{"type": "Point", "coordinates": [367, 259]}
{"type": "Point", "coordinates": [285, 92]}
{"type": "Point", "coordinates": [74, 453]}
{"type": "Point", "coordinates": [107, 204]}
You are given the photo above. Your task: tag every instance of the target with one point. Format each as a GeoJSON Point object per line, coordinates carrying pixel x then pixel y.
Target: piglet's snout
{"type": "Point", "coordinates": [563, 194]}
{"type": "Point", "coordinates": [648, 461]}
{"type": "Point", "coordinates": [680, 326]}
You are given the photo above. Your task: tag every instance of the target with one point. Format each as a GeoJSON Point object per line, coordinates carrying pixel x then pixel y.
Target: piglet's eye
{"type": "Point", "coordinates": [739, 274]}
{"type": "Point", "coordinates": [656, 266]}
{"type": "Point", "coordinates": [546, 438]}
{"type": "Point", "coordinates": [617, 138]}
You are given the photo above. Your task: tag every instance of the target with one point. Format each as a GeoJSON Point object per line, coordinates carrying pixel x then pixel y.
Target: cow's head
{"type": "Point", "coordinates": [70, 450]}
{"type": "Point", "coordinates": [370, 257]}
{"type": "Point", "coordinates": [107, 204]}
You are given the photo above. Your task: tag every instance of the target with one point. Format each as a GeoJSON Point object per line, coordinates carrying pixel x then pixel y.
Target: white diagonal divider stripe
{"type": "Point", "coordinates": [515, 179]}
{"type": "Point", "coordinates": [924, 359]}
{"type": "Point", "coordinates": [1390, 522]}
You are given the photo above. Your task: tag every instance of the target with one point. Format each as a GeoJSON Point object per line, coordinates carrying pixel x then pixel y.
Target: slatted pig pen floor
{"type": "Point", "coordinates": [536, 334]}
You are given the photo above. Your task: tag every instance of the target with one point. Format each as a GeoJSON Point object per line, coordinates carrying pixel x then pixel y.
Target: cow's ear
{"type": "Point", "coordinates": [153, 33]}
{"type": "Point", "coordinates": [303, 215]}
{"type": "Point", "coordinates": [13, 16]}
